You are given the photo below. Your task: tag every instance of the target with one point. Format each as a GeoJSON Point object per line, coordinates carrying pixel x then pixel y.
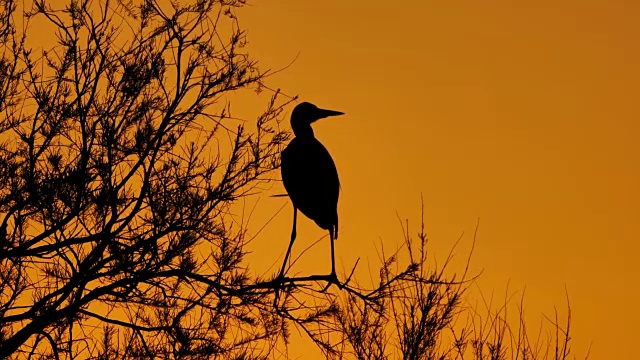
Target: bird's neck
{"type": "Point", "coordinates": [303, 131]}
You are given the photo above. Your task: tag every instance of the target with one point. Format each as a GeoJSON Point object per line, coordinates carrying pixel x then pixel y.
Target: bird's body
{"type": "Point", "coordinates": [310, 176]}
{"type": "Point", "coordinates": [311, 180]}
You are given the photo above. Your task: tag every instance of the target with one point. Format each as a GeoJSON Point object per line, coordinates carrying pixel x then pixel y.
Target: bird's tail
{"type": "Point", "coordinates": [335, 230]}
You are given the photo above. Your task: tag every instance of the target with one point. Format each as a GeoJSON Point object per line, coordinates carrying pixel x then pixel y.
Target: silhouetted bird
{"type": "Point", "coordinates": [310, 176]}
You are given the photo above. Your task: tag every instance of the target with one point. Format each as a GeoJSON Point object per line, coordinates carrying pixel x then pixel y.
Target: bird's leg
{"type": "Point", "coordinates": [286, 257]}
{"type": "Point", "coordinates": [293, 238]}
{"type": "Point", "coordinates": [333, 278]}
{"type": "Point", "coordinates": [333, 257]}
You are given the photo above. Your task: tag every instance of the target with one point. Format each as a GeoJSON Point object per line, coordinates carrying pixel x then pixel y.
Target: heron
{"type": "Point", "coordinates": [310, 176]}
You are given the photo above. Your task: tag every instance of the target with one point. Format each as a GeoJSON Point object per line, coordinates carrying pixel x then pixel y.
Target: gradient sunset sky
{"type": "Point", "coordinates": [520, 114]}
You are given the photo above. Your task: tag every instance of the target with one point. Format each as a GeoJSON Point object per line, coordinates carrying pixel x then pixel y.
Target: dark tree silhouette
{"type": "Point", "coordinates": [423, 315]}
{"type": "Point", "coordinates": [119, 166]}
{"type": "Point", "coordinates": [113, 168]}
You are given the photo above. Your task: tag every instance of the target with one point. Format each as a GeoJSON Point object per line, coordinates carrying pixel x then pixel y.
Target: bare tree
{"type": "Point", "coordinates": [113, 168]}
{"type": "Point", "coordinates": [424, 316]}
{"type": "Point", "coordinates": [119, 166]}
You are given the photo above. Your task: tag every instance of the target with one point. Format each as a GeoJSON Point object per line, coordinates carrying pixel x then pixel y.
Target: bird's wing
{"type": "Point", "coordinates": [311, 179]}
{"type": "Point", "coordinates": [329, 174]}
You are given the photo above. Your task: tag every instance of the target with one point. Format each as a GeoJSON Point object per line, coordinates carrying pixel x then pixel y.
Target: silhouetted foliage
{"type": "Point", "coordinates": [119, 165]}
{"type": "Point", "coordinates": [114, 168]}
{"type": "Point", "coordinates": [423, 315]}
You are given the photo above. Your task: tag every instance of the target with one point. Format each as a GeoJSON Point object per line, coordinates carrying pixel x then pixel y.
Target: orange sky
{"type": "Point", "coordinates": [520, 113]}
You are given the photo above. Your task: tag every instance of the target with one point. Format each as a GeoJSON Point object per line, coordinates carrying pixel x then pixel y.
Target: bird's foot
{"type": "Point", "coordinates": [279, 281]}
{"type": "Point", "coordinates": [332, 279]}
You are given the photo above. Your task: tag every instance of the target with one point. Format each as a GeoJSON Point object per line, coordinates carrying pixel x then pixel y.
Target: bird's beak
{"type": "Point", "coordinates": [323, 113]}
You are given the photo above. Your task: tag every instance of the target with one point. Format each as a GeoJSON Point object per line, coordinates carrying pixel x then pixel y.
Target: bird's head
{"type": "Point", "coordinates": [306, 113]}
